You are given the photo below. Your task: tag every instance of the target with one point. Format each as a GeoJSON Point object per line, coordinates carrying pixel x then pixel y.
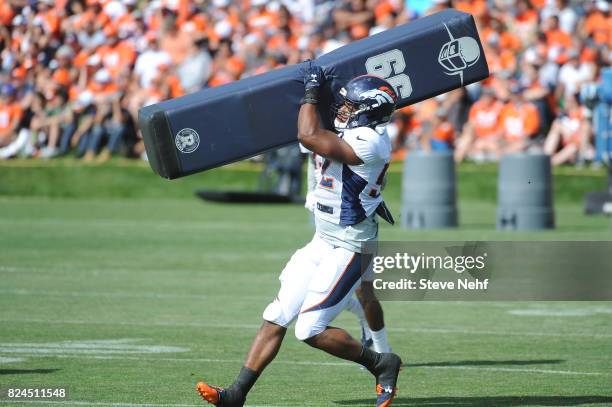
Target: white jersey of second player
{"type": "Point", "coordinates": [347, 194]}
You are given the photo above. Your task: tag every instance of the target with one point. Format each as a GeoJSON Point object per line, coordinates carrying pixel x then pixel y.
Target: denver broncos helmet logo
{"type": "Point", "coordinates": [380, 97]}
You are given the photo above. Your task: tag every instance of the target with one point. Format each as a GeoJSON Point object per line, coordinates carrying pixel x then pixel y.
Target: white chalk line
{"type": "Point", "coordinates": [135, 323]}
{"type": "Point", "coordinates": [123, 294]}
{"type": "Point", "coordinates": [424, 330]}
{"type": "Point", "coordinates": [92, 347]}
{"type": "Point", "coordinates": [311, 363]}
{"type": "Point", "coordinates": [507, 369]}
{"type": "Point", "coordinates": [560, 312]}
{"type": "Point", "coordinates": [10, 360]}
{"type": "Point", "coordinates": [502, 333]}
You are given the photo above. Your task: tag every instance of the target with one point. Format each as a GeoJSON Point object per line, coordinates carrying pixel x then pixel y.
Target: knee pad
{"type": "Point", "coordinates": [307, 326]}
{"type": "Point", "coordinates": [274, 313]}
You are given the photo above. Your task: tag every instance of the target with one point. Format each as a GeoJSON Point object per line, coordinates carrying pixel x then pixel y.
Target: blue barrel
{"type": "Point", "coordinates": [524, 193]}
{"type": "Point", "coordinates": [429, 194]}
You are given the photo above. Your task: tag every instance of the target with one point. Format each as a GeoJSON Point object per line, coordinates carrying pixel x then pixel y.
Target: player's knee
{"type": "Point", "coordinates": [306, 329]}
{"type": "Point", "coordinates": [365, 293]}
{"type": "Point", "coordinates": [274, 313]}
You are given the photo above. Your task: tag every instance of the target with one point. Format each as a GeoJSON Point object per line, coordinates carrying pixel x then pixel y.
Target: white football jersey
{"type": "Point", "coordinates": [347, 194]}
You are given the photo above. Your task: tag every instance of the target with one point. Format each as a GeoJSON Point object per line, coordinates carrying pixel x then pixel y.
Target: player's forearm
{"type": "Point", "coordinates": [308, 124]}
{"type": "Point", "coordinates": [321, 141]}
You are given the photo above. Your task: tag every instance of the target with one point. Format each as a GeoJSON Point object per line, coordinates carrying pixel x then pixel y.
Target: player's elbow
{"type": "Point", "coordinates": [306, 137]}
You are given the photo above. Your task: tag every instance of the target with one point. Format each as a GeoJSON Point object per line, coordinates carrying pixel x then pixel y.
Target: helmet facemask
{"type": "Point", "coordinates": [366, 101]}
{"type": "Point", "coordinates": [343, 113]}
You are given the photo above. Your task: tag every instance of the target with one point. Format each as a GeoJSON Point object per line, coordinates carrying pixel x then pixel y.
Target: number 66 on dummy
{"type": "Point", "coordinates": [216, 126]}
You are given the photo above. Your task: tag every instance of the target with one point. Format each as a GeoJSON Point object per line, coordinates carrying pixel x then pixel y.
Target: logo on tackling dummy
{"type": "Point", "coordinates": [187, 140]}
{"type": "Point", "coordinates": [458, 54]}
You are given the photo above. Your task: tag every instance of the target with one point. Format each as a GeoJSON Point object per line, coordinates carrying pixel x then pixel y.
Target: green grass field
{"type": "Point", "coordinates": [127, 289]}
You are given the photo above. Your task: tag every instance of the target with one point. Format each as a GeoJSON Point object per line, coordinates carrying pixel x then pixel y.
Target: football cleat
{"type": "Point", "coordinates": [385, 395]}
{"type": "Point", "coordinates": [209, 393]}
{"type": "Point", "coordinates": [219, 396]}
{"type": "Point", "coordinates": [386, 372]}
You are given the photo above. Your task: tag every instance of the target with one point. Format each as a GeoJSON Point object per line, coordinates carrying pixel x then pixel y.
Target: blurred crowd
{"type": "Point", "coordinates": [73, 73]}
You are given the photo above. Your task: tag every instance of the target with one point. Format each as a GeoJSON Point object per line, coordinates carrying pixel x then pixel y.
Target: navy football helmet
{"type": "Point", "coordinates": [366, 101]}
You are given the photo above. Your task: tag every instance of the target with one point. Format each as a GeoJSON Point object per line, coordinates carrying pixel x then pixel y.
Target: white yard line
{"type": "Point", "coordinates": [10, 360]}
{"type": "Point", "coordinates": [502, 333]}
{"type": "Point", "coordinates": [120, 294]}
{"type": "Point", "coordinates": [521, 370]}
{"type": "Point", "coordinates": [135, 323]}
{"type": "Point", "coordinates": [424, 330]}
{"type": "Point", "coordinates": [112, 294]}
{"type": "Point", "coordinates": [310, 363]}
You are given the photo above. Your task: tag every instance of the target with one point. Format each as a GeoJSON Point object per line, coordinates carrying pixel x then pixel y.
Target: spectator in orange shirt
{"type": "Point", "coordinates": [355, 17]}
{"type": "Point", "coordinates": [260, 17]}
{"type": "Point", "coordinates": [598, 24]}
{"type": "Point", "coordinates": [441, 136]}
{"type": "Point", "coordinates": [12, 140]}
{"type": "Point", "coordinates": [116, 55]}
{"type": "Point", "coordinates": [10, 114]}
{"type": "Point", "coordinates": [174, 41]}
{"type": "Point", "coordinates": [555, 37]}
{"type": "Point", "coordinates": [569, 138]}
{"type": "Point", "coordinates": [525, 24]}
{"type": "Point", "coordinates": [47, 17]}
{"type": "Point", "coordinates": [519, 121]}
{"type": "Point", "coordinates": [480, 137]}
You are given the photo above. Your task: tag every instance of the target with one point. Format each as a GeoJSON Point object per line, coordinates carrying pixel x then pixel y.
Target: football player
{"type": "Point", "coordinates": [320, 278]}
{"type": "Point", "coordinates": [364, 304]}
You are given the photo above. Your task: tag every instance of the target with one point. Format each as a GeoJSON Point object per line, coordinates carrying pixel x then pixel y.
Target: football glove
{"type": "Point", "coordinates": [314, 77]}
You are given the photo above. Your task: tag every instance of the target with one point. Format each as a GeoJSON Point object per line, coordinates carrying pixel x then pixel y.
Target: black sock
{"type": "Point", "coordinates": [368, 359]}
{"type": "Point", "coordinates": [245, 380]}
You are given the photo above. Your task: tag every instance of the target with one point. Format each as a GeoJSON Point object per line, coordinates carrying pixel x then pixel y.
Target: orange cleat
{"type": "Point", "coordinates": [209, 393]}
{"type": "Point", "coordinates": [219, 396]}
{"type": "Point", "coordinates": [385, 394]}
